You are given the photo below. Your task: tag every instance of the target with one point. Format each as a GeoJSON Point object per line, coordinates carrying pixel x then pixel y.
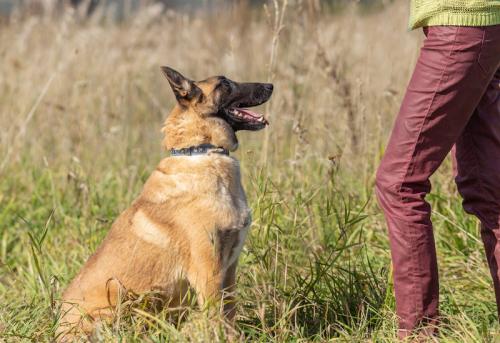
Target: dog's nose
{"type": "Point", "coordinates": [269, 86]}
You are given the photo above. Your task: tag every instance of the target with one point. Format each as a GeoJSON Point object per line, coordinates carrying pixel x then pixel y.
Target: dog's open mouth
{"type": "Point", "coordinates": [244, 95]}
{"type": "Point", "coordinates": [245, 119]}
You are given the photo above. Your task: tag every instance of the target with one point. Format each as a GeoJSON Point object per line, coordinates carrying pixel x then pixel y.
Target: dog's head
{"type": "Point", "coordinates": [212, 107]}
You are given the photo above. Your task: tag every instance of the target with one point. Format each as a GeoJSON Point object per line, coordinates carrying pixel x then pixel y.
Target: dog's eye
{"type": "Point", "coordinates": [225, 84]}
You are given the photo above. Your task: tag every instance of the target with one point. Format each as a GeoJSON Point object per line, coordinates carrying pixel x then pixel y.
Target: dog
{"type": "Point", "coordinates": [190, 221]}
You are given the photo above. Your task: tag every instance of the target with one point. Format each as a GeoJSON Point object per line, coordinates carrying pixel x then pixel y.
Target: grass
{"type": "Point", "coordinates": [81, 106]}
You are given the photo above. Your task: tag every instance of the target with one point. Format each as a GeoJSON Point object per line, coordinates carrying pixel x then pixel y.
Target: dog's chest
{"type": "Point", "coordinates": [211, 184]}
{"type": "Point", "coordinates": [228, 197]}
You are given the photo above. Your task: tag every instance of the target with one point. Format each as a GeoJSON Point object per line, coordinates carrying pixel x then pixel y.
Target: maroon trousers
{"type": "Point", "coordinates": [453, 99]}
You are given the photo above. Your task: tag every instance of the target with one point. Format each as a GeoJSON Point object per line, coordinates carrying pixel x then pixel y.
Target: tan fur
{"type": "Point", "coordinates": [183, 129]}
{"type": "Point", "coordinates": [188, 224]}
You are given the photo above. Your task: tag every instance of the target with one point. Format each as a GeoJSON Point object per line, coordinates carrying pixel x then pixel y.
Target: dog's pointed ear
{"type": "Point", "coordinates": [184, 89]}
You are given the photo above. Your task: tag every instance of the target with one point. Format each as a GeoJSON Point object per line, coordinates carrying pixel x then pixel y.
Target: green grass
{"type": "Point", "coordinates": [315, 267]}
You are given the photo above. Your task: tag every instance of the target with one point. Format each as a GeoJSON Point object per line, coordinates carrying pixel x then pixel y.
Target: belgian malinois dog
{"type": "Point", "coordinates": [190, 221]}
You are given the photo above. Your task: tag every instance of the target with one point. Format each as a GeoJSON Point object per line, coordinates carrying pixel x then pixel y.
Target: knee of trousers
{"type": "Point", "coordinates": [401, 197]}
{"type": "Point", "coordinates": [387, 188]}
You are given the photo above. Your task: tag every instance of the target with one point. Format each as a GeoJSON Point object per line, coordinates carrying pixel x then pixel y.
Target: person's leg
{"type": "Point", "coordinates": [445, 88]}
{"type": "Point", "coordinates": [477, 156]}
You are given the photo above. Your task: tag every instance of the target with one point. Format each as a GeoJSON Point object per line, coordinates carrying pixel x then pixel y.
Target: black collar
{"type": "Point", "coordinates": [201, 149]}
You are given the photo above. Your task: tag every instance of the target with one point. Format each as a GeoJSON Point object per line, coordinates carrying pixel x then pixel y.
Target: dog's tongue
{"type": "Point", "coordinates": [253, 116]}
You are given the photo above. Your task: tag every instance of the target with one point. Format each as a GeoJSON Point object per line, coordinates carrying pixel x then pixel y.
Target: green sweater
{"type": "Point", "coordinates": [454, 12]}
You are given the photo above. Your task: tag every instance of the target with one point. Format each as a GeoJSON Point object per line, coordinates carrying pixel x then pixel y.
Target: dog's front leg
{"type": "Point", "coordinates": [206, 276]}
{"type": "Point", "coordinates": [229, 290]}
{"type": "Point", "coordinates": [212, 271]}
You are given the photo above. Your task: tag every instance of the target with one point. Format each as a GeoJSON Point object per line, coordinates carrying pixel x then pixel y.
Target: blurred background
{"type": "Point", "coordinates": [82, 104]}
{"type": "Point", "coordinates": [126, 8]}
{"type": "Point", "coordinates": [96, 62]}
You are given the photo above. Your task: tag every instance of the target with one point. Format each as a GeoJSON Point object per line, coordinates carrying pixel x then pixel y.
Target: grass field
{"type": "Point", "coordinates": [81, 107]}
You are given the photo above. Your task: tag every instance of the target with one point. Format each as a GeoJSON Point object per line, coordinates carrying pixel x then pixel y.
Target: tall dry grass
{"type": "Point", "coordinates": [81, 107]}
{"type": "Point", "coordinates": [97, 87]}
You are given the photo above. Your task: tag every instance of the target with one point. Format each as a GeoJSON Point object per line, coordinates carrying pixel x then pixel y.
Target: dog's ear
{"type": "Point", "coordinates": [184, 89]}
